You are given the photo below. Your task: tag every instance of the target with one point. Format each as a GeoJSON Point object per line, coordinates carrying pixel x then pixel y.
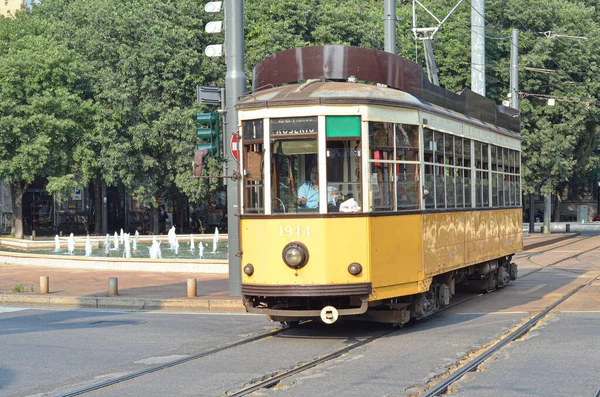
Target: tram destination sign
{"type": "Point", "coordinates": [294, 126]}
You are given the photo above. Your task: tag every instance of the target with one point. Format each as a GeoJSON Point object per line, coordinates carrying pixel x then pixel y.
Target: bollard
{"type": "Point", "coordinates": [33, 236]}
{"type": "Point", "coordinates": [60, 233]}
{"type": "Point", "coordinates": [191, 288]}
{"type": "Point", "coordinates": [568, 228]}
{"type": "Point", "coordinates": [44, 285]}
{"type": "Point", "coordinates": [113, 286]}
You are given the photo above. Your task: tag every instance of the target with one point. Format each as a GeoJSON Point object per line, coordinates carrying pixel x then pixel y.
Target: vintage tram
{"type": "Point", "coordinates": [369, 192]}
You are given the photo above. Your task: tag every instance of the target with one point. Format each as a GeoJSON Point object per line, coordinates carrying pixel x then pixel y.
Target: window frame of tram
{"type": "Point", "coordinates": [343, 161]}
{"type": "Point", "coordinates": [253, 161]}
{"type": "Point", "coordinates": [392, 187]}
{"type": "Point", "coordinates": [447, 165]}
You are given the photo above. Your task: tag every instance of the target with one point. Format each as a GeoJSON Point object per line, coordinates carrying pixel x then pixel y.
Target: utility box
{"type": "Point", "coordinates": [582, 213]}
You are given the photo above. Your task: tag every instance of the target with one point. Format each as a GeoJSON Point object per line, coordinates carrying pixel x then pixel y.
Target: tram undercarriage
{"type": "Point", "coordinates": [483, 277]}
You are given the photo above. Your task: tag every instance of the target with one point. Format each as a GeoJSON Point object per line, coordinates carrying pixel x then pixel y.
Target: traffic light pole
{"type": "Point", "coordinates": [235, 86]}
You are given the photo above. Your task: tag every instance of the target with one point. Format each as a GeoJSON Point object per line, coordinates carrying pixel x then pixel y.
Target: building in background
{"type": "Point", "coordinates": [9, 7]}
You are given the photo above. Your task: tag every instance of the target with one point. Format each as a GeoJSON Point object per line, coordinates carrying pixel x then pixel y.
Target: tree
{"type": "Point", "coordinates": [43, 107]}
{"type": "Point", "coordinates": [147, 57]}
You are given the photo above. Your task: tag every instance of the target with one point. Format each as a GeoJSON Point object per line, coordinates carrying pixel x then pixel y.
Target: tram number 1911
{"type": "Point", "coordinates": [289, 231]}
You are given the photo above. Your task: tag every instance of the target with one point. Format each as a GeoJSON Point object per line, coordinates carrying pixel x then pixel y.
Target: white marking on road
{"type": "Point", "coordinates": [12, 309]}
{"type": "Point", "coordinates": [161, 359]}
{"type": "Point", "coordinates": [531, 290]}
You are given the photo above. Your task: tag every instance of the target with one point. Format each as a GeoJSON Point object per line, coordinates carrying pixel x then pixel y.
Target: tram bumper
{"type": "Point", "coordinates": [293, 301]}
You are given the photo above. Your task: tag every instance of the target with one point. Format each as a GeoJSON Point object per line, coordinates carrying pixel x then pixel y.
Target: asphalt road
{"type": "Point", "coordinates": [48, 352]}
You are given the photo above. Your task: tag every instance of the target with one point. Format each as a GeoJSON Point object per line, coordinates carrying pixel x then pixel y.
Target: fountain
{"type": "Point", "coordinates": [192, 243]}
{"type": "Point", "coordinates": [107, 244]}
{"type": "Point", "coordinates": [201, 249]}
{"type": "Point", "coordinates": [88, 246]}
{"type": "Point", "coordinates": [176, 245]}
{"type": "Point", "coordinates": [56, 244]}
{"type": "Point", "coordinates": [127, 245]}
{"type": "Point", "coordinates": [215, 240]}
{"type": "Point", "coordinates": [116, 242]}
{"type": "Point", "coordinates": [121, 238]}
{"type": "Point", "coordinates": [155, 252]}
{"type": "Point", "coordinates": [172, 237]}
{"type": "Point", "coordinates": [71, 244]}
{"type": "Point", "coordinates": [135, 242]}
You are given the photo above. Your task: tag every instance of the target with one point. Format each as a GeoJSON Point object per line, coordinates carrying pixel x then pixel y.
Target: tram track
{"type": "Point", "coordinates": [196, 356]}
{"type": "Point", "coordinates": [270, 380]}
{"type": "Point", "coordinates": [441, 386]}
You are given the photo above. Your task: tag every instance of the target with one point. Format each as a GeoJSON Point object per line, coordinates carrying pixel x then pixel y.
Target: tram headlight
{"type": "Point", "coordinates": [249, 269]}
{"type": "Point", "coordinates": [295, 255]}
{"type": "Point", "coordinates": [355, 269]}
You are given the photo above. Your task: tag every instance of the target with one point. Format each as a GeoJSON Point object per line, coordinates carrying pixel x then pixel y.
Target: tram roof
{"type": "Point", "coordinates": [392, 81]}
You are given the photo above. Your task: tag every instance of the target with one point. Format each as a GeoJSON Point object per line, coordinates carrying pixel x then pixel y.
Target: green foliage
{"type": "Point", "coordinates": [19, 288]}
{"type": "Point", "coordinates": [104, 90]}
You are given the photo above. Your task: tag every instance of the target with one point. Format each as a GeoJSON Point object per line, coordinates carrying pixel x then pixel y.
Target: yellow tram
{"type": "Point", "coordinates": [423, 189]}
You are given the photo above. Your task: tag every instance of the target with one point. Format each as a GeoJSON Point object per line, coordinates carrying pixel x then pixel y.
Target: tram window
{"type": "Point", "coordinates": [429, 145]}
{"type": "Point", "coordinates": [459, 187]}
{"type": "Point", "coordinates": [478, 179]}
{"type": "Point", "coordinates": [450, 187]}
{"type": "Point", "coordinates": [467, 153]}
{"type": "Point", "coordinates": [253, 179]}
{"type": "Point", "coordinates": [467, 184]}
{"type": "Point", "coordinates": [407, 142]}
{"type": "Point", "coordinates": [494, 158]}
{"type": "Point", "coordinates": [382, 186]}
{"type": "Point", "coordinates": [449, 149]}
{"type": "Point", "coordinates": [494, 189]}
{"type": "Point", "coordinates": [507, 187]}
{"type": "Point", "coordinates": [438, 138]}
{"type": "Point", "coordinates": [429, 194]}
{"type": "Point", "coordinates": [292, 175]}
{"type": "Point", "coordinates": [381, 140]}
{"type": "Point", "coordinates": [440, 191]}
{"type": "Point", "coordinates": [343, 173]}
{"type": "Point", "coordinates": [478, 155]}
{"type": "Point", "coordinates": [458, 146]}
{"type": "Point", "coordinates": [408, 189]}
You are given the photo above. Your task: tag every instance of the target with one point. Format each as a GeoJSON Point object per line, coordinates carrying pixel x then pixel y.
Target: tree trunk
{"type": "Point", "coordinates": [99, 204]}
{"type": "Point", "coordinates": [17, 190]}
{"type": "Point", "coordinates": [547, 209]}
{"type": "Point", "coordinates": [153, 215]}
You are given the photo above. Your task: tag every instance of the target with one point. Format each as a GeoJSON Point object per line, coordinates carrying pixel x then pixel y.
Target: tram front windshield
{"type": "Point", "coordinates": [295, 174]}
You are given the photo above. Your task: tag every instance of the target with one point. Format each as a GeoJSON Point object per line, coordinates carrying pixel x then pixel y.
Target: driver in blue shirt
{"type": "Point", "coordinates": [308, 193]}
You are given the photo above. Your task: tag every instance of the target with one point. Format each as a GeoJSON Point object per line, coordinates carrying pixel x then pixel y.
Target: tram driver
{"type": "Point", "coordinates": [308, 193]}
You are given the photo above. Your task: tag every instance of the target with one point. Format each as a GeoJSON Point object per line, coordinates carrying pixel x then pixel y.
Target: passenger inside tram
{"type": "Point", "coordinates": [308, 193]}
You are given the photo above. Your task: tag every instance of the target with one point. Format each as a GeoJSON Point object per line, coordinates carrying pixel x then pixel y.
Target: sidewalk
{"type": "Point", "coordinates": [140, 290]}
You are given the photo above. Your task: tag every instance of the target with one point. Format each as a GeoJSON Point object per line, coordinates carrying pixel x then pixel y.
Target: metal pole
{"type": "Point", "coordinates": [389, 17]}
{"type": "Point", "coordinates": [478, 47]}
{"type": "Point", "coordinates": [532, 213]}
{"type": "Point", "coordinates": [514, 70]}
{"type": "Point", "coordinates": [235, 86]}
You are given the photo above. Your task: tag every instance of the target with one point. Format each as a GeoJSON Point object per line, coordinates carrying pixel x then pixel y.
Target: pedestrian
{"type": "Point", "coordinates": [163, 217]}
{"type": "Point", "coordinates": [146, 224]}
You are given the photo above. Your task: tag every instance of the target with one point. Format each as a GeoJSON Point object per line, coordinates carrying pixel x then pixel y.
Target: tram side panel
{"type": "Point", "coordinates": [333, 244]}
{"type": "Point", "coordinates": [396, 255]}
{"type": "Point", "coordinates": [443, 242]}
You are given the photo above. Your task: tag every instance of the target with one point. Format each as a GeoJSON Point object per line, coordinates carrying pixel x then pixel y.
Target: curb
{"type": "Point", "coordinates": [549, 242]}
{"type": "Point", "coordinates": [140, 304]}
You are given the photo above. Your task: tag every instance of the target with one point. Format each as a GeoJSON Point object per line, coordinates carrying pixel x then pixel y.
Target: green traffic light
{"type": "Point", "coordinates": [208, 132]}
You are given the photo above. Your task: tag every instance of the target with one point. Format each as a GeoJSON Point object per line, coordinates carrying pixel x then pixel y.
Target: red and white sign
{"type": "Point", "coordinates": [235, 151]}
